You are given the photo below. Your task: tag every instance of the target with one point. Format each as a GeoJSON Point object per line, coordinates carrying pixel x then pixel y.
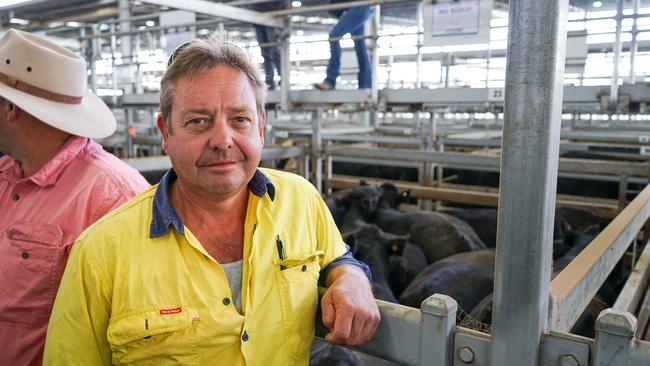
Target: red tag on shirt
{"type": "Point", "coordinates": [170, 311]}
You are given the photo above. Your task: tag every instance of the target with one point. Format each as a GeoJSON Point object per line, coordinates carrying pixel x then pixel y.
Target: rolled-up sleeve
{"type": "Point", "coordinates": [346, 258]}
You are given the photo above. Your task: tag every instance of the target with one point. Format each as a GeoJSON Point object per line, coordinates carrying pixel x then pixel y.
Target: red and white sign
{"type": "Point", "coordinates": [170, 311]}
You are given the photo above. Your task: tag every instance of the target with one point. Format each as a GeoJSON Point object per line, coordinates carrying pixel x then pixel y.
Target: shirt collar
{"type": "Point", "coordinates": [164, 214]}
{"type": "Point", "coordinates": [49, 173]}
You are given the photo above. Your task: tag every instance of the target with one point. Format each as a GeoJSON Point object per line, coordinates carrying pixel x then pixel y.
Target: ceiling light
{"type": "Point", "coordinates": [296, 4]}
{"type": "Point", "coordinates": [19, 21]}
{"type": "Point", "coordinates": [597, 4]}
{"type": "Point", "coordinates": [5, 3]}
{"type": "Point", "coordinates": [73, 24]}
{"type": "Point", "coordinates": [150, 23]}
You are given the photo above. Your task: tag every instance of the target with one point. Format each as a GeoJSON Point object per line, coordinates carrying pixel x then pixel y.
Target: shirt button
{"type": "Point", "coordinates": [304, 268]}
{"type": "Point", "coordinates": [244, 337]}
{"type": "Point", "coordinates": [25, 255]}
{"type": "Point", "coordinates": [226, 301]}
{"type": "Point", "coordinates": [15, 197]}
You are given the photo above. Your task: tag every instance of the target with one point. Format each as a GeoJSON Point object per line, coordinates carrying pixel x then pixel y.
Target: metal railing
{"type": "Point", "coordinates": [573, 288]}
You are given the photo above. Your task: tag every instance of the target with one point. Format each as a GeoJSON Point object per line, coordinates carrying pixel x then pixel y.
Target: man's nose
{"type": "Point", "coordinates": [221, 137]}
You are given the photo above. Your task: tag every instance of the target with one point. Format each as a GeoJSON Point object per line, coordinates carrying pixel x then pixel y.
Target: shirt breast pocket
{"type": "Point", "coordinates": [32, 264]}
{"type": "Point", "coordinates": [298, 287]}
{"type": "Point", "coordinates": [154, 337]}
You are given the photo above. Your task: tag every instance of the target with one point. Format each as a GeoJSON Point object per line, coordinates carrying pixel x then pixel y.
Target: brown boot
{"type": "Point", "coordinates": [323, 86]}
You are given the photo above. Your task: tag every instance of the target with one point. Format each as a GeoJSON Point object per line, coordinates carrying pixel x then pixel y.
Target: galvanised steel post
{"type": "Point", "coordinates": [374, 67]}
{"type": "Point", "coordinates": [529, 165]}
{"type": "Point", "coordinates": [635, 44]}
{"type": "Point", "coordinates": [317, 148]}
{"type": "Point", "coordinates": [285, 65]}
{"type": "Point", "coordinates": [618, 45]}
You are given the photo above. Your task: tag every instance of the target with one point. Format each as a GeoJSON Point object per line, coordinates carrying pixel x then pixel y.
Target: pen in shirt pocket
{"type": "Point", "coordinates": [280, 247]}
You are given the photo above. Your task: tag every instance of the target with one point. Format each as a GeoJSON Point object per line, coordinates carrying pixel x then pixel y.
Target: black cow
{"type": "Point", "coordinates": [467, 277]}
{"type": "Point", "coordinates": [357, 206]}
{"type": "Point", "coordinates": [577, 219]}
{"type": "Point", "coordinates": [325, 354]}
{"type": "Point", "coordinates": [569, 222]}
{"type": "Point", "coordinates": [404, 268]}
{"type": "Point", "coordinates": [371, 245]}
{"type": "Point", "coordinates": [605, 297]}
{"type": "Point", "coordinates": [438, 235]}
{"type": "Point", "coordinates": [482, 220]}
{"type": "Point", "coordinates": [360, 206]}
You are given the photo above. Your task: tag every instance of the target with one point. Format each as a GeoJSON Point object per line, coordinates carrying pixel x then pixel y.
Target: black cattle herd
{"type": "Point", "coordinates": [414, 254]}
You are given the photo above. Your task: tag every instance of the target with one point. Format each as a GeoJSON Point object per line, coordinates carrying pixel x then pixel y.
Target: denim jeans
{"type": "Point", "coordinates": [351, 22]}
{"type": "Point", "coordinates": [271, 55]}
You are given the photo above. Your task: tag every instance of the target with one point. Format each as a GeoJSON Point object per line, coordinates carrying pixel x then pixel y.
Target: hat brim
{"type": "Point", "coordinates": [91, 118]}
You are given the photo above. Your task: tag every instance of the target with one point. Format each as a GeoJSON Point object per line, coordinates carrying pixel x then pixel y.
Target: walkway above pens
{"type": "Point", "coordinates": [576, 98]}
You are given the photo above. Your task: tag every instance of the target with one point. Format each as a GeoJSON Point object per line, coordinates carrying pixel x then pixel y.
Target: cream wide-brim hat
{"type": "Point", "coordinates": [49, 82]}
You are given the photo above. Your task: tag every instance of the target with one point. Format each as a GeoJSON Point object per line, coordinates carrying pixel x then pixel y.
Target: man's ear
{"type": "Point", "coordinates": [12, 111]}
{"type": "Point", "coordinates": [160, 121]}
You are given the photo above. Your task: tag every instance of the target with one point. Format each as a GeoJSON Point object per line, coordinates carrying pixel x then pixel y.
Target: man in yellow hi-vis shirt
{"type": "Point", "coordinates": [220, 262]}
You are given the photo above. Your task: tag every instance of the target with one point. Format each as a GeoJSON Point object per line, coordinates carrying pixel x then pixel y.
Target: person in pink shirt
{"type": "Point", "coordinates": [54, 181]}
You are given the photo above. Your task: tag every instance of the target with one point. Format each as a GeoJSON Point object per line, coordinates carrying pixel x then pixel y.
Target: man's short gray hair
{"type": "Point", "coordinates": [201, 55]}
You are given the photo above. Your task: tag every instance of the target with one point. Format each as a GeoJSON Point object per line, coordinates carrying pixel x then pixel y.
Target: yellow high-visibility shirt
{"type": "Point", "coordinates": [138, 292]}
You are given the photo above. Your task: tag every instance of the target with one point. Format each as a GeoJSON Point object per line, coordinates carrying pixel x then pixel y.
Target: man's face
{"type": "Point", "coordinates": [216, 137]}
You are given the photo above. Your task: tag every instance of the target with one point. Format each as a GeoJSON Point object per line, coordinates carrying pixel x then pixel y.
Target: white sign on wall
{"type": "Point", "coordinates": [456, 22]}
{"type": "Point", "coordinates": [455, 18]}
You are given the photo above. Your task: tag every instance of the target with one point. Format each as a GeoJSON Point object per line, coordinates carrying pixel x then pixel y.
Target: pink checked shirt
{"type": "Point", "coordinates": [40, 217]}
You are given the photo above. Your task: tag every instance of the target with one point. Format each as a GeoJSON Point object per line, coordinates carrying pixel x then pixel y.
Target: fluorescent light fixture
{"type": "Point", "coordinates": [296, 4]}
{"type": "Point", "coordinates": [597, 4]}
{"type": "Point", "coordinates": [73, 24]}
{"type": "Point", "coordinates": [5, 3]}
{"type": "Point", "coordinates": [19, 21]}
{"type": "Point", "coordinates": [150, 23]}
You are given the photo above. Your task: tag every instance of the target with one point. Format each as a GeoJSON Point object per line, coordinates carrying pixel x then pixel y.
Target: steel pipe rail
{"type": "Point", "coordinates": [222, 11]}
{"type": "Point", "coordinates": [573, 288]}
{"type": "Point", "coordinates": [624, 137]}
{"type": "Point", "coordinates": [162, 162]}
{"type": "Point", "coordinates": [376, 139]}
{"type": "Point", "coordinates": [636, 285]}
{"type": "Point", "coordinates": [603, 207]}
{"type": "Point", "coordinates": [276, 152]}
{"type": "Point", "coordinates": [335, 6]}
{"type": "Point", "coordinates": [584, 166]}
{"type": "Point", "coordinates": [412, 336]}
{"type": "Point", "coordinates": [468, 97]}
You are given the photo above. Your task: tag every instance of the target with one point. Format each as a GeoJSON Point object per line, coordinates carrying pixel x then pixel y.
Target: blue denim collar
{"type": "Point", "coordinates": [164, 214]}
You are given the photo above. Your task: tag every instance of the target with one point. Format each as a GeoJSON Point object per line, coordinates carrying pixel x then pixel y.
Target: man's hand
{"type": "Point", "coordinates": [349, 309]}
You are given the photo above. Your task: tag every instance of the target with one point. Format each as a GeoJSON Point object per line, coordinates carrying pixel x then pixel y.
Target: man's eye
{"type": "Point", "coordinates": [197, 122]}
{"type": "Point", "coordinates": [241, 119]}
